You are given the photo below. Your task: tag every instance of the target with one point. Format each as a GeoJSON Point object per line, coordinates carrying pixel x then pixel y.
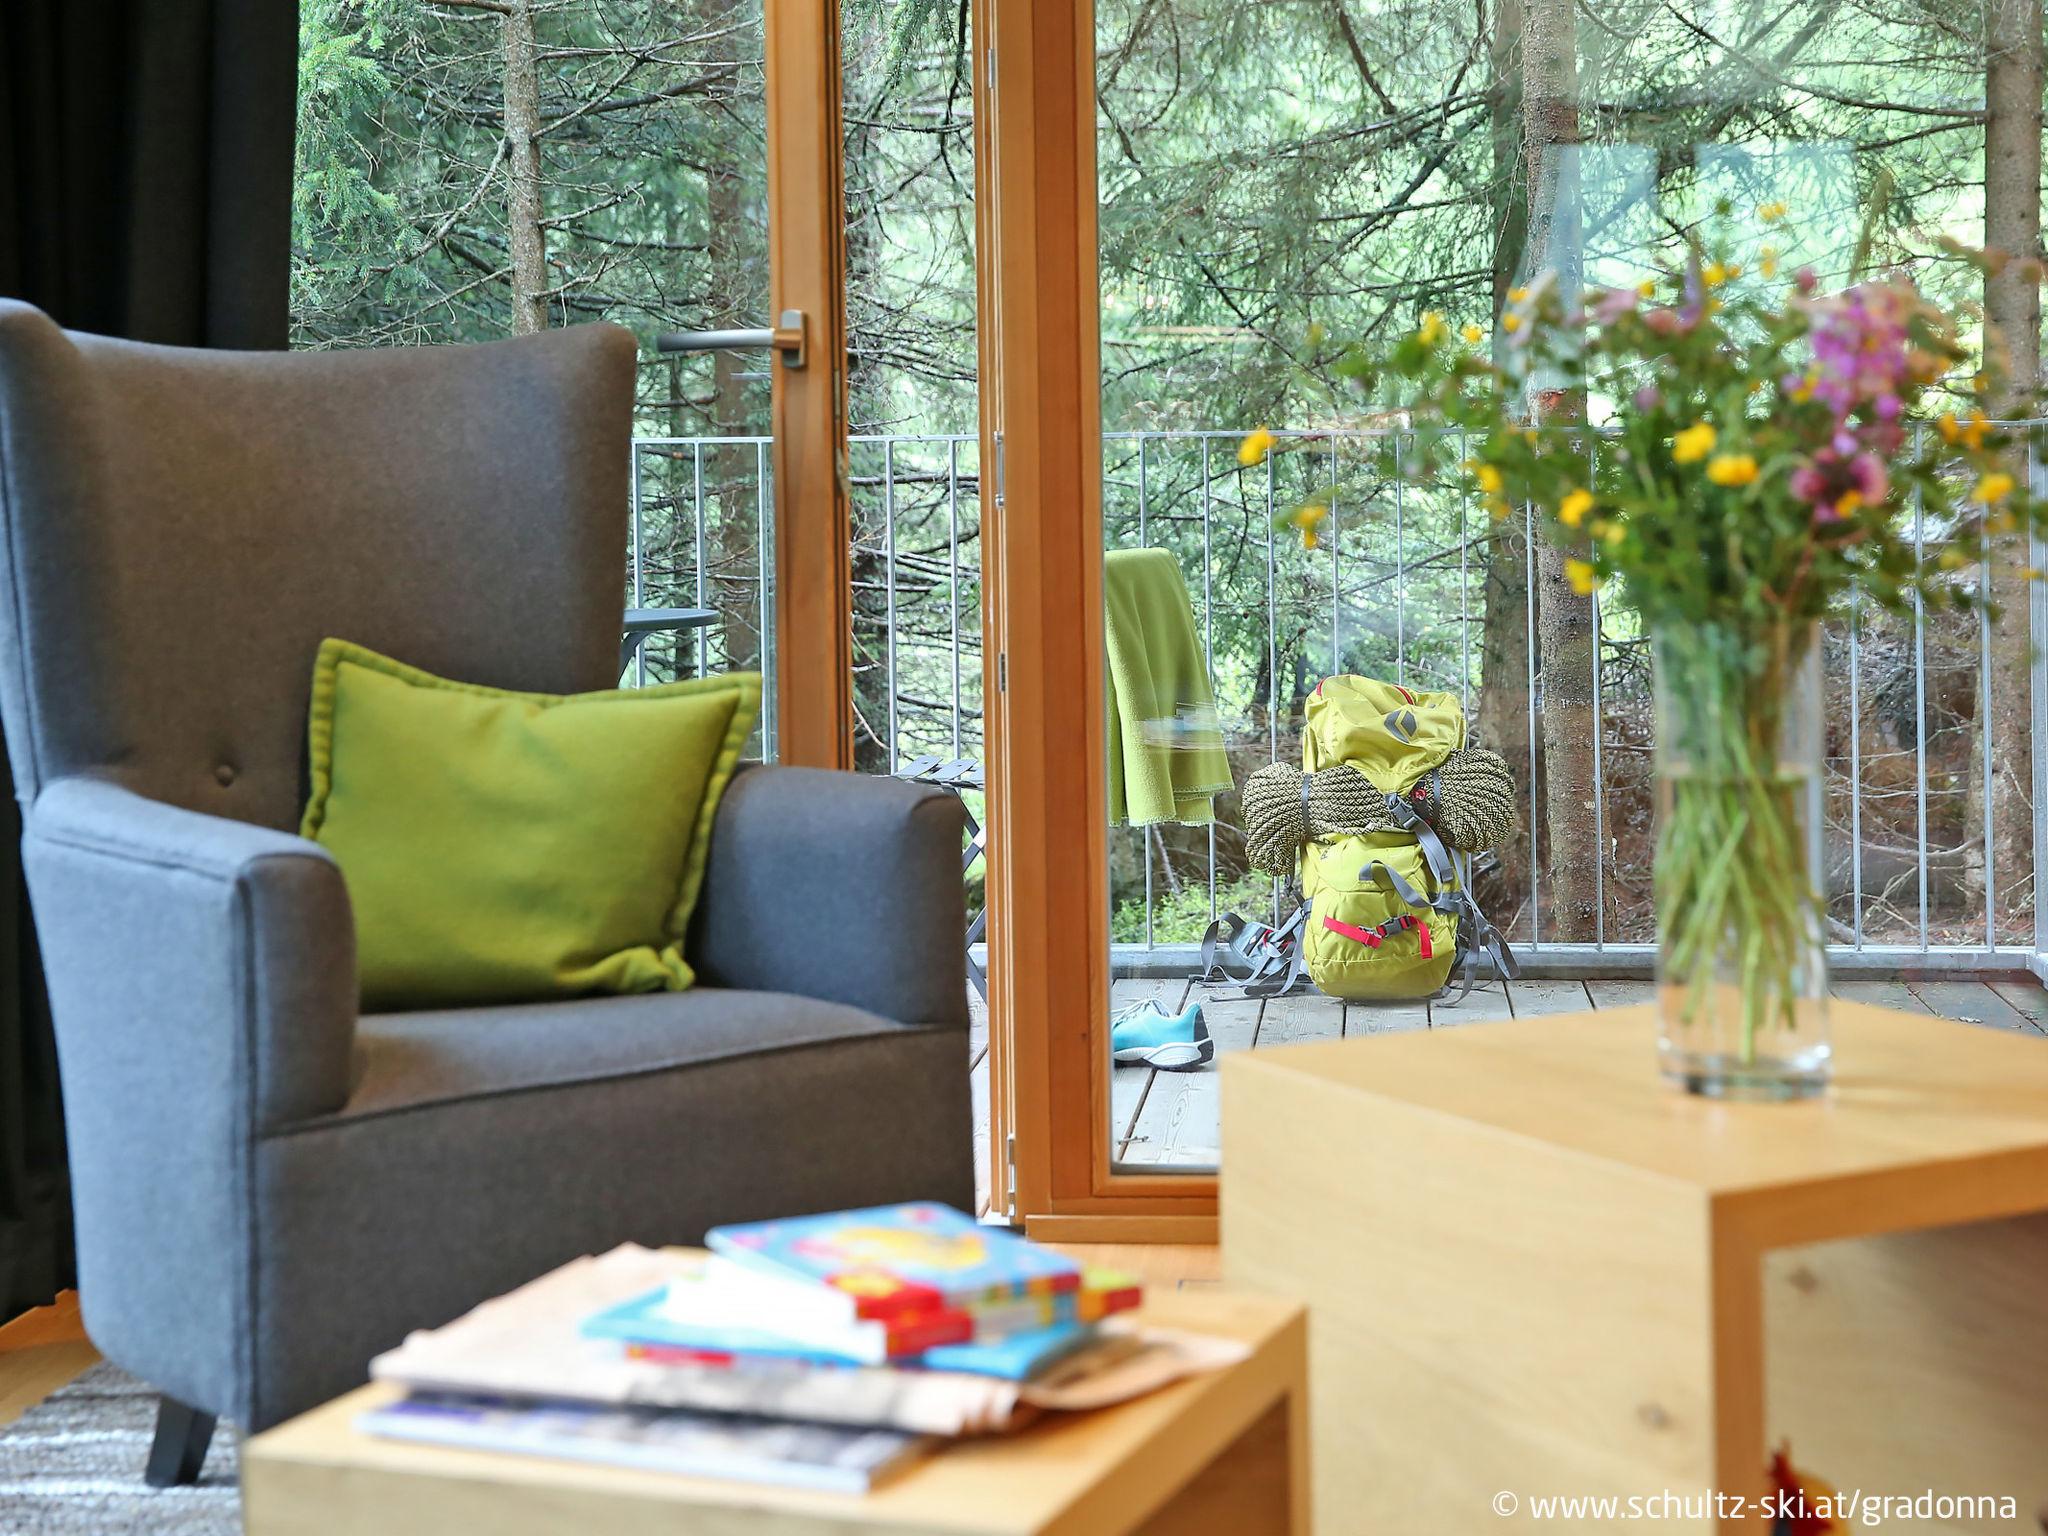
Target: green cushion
{"type": "Point", "coordinates": [505, 847]}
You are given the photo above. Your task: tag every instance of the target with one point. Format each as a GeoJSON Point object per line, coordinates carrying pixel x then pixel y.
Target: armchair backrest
{"type": "Point", "coordinates": [179, 529]}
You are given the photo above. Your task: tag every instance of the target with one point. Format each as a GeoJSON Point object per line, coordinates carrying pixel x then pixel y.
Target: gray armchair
{"type": "Point", "coordinates": [269, 1188]}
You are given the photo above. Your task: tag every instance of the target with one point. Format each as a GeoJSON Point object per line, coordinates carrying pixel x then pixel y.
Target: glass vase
{"type": "Point", "coordinates": [1742, 976]}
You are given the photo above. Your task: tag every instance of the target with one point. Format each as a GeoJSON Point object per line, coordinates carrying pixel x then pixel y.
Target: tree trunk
{"type": "Point", "coordinates": [526, 235]}
{"type": "Point", "coordinates": [1501, 719]}
{"type": "Point", "coordinates": [1571, 850]}
{"type": "Point", "coordinates": [868, 410]}
{"type": "Point", "coordinates": [729, 473]}
{"type": "Point", "coordinates": [2012, 313]}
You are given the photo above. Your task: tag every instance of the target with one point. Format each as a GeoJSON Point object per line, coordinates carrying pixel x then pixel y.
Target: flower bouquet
{"type": "Point", "coordinates": [1734, 450]}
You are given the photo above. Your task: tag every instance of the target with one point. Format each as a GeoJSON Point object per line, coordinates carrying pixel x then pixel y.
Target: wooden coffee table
{"type": "Point", "coordinates": [1222, 1453]}
{"type": "Point", "coordinates": [1532, 1269]}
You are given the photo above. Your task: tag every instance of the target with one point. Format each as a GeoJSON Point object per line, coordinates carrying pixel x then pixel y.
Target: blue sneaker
{"type": "Point", "coordinates": [1146, 1035]}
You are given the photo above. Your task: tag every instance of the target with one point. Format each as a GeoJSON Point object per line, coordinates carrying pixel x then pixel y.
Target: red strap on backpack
{"type": "Point", "coordinates": [1371, 937]}
{"type": "Point", "coordinates": [1366, 936]}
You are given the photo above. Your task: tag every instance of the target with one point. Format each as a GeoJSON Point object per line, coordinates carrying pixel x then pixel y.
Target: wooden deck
{"type": "Point", "coordinates": [1170, 1118]}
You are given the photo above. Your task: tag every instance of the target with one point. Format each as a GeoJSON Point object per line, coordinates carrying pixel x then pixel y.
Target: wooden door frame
{"type": "Point", "coordinates": [1041, 454]}
{"type": "Point", "coordinates": [813, 597]}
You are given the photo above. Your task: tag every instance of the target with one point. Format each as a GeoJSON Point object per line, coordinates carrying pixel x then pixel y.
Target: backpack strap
{"type": "Point", "coordinates": [1476, 934]}
{"type": "Point", "coordinates": [1434, 853]}
{"type": "Point", "coordinates": [1276, 979]}
{"type": "Point", "coordinates": [1263, 960]}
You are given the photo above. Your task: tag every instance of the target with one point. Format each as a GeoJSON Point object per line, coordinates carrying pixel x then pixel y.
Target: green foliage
{"type": "Point", "coordinates": [1181, 917]}
{"type": "Point", "coordinates": [343, 226]}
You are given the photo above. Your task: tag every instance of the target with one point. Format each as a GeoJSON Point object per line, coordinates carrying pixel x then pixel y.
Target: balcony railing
{"type": "Point", "coordinates": [1411, 581]}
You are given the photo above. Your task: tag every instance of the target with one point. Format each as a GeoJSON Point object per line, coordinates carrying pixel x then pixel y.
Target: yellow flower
{"type": "Point", "coordinates": [1580, 574]}
{"type": "Point", "coordinates": [2032, 572]}
{"type": "Point", "coordinates": [1614, 533]}
{"type": "Point", "coordinates": [1309, 518]}
{"type": "Point", "coordinates": [1770, 213]}
{"type": "Point", "coordinates": [1255, 447]}
{"type": "Point", "coordinates": [1647, 288]}
{"type": "Point", "coordinates": [1511, 322]}
{"type": "Point", "coordinates": [1497, 509]}
{"type": "Point", "coordinates": [1713, 274]}
{"type": "Point", "coordinates": [1994, 487]}
{"type": "Point", "coordinates": [1516, 295]}
{"type": "Point", "coordinates": [1973, 430]}
{"type": "Point", "coordinates": [1472, 333]}
{"type": "Point", "coordinates": [1767, 260]}
{"type": "Point", "coordinates": [1848, 503]}
{"type": "Point", "coordinates": [1731, 469]}
{"type": "Point", "coordinates": [1954, 560]}
{"type": "Point", "coordinates": [1431, 331]}
{"type": "Point", "coordinates": [1946, 425]}
{"type": "Point", "coordinates": [1573, 509]}
{"type": "Point", "coordinates": [1694, 443]}
{"type": "Point", "coordinates": [1488, 478]}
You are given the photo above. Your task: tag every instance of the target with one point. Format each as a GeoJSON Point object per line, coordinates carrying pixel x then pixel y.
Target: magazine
{"type": "Point", "coordinates": [829, 1458]}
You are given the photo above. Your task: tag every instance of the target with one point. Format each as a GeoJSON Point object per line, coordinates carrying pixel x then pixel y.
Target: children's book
{"type": "Point", "coordinates": [689, 1317]}
{"type": "Point", "coordinates": [1018, 1357]}
{"type": "Point", "coordinates": [1100, 1293]}
{"type": "Point", "coordinates": [822, 1456]}
{"type": "Point", "coordinates": [914, 1258]}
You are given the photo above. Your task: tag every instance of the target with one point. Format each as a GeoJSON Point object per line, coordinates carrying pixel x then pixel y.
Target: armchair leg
{"type": "Point", "coordinates": [179, 1450]}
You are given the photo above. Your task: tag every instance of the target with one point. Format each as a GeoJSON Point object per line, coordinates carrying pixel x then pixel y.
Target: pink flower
{"type": "Point", "coordinates": [1649, 397]}
{"type": "Point", "coordinates": [1838, 483]}
{"type": "Point", "coordinates": [1613, 303]}
{"type": "Point", "coordinates": [1665, 322]}
{"type": "Point", "coordinates": [1806, 279]}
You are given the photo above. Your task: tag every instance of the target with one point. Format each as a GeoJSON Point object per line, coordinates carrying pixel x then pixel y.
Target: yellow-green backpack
{"type": "Point", "coordinates": [1384, 907]}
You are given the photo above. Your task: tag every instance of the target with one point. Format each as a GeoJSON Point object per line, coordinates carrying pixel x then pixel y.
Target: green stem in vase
{"type": "Point", "coordinates": [1734, 890]}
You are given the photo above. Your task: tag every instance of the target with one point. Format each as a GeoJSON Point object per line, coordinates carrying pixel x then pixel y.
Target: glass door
{"type": "Point", "coordinates": [740, 516]}
{"type": "Point", "coordinates": [473, 171]}
{"type": "Point", "coordinates": [1197, 207]}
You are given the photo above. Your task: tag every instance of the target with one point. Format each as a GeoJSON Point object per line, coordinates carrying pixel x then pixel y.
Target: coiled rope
{"type": "Point", "coordinates": [1469, 799]}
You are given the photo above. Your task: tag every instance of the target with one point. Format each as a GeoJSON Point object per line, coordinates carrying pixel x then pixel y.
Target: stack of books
{"type": "Point", "coordinates": [911, 1285]}
{"type": "Point", "coordinates": [822, 1351]}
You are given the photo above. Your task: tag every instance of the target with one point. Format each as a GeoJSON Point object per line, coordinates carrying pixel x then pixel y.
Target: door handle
{"type": "Point", "coordinates": [787, 337]}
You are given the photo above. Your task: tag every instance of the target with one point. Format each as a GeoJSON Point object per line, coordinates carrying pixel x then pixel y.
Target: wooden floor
{"type": "Point", "coordinates": [1170, 1118]}
{"type": "Point", "coordinates": [39, 1352]}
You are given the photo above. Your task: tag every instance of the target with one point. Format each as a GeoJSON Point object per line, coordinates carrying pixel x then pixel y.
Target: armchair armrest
{"type": "Point", "coordinates": [837, 886]}
{"type": "Point", "coordinates": [165, 931]}
{"type": "Point", "coordinates": [202, 978]}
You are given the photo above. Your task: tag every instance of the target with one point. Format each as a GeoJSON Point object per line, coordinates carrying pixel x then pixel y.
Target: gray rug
{"type": "Point", "coordinates": [72, 1466]}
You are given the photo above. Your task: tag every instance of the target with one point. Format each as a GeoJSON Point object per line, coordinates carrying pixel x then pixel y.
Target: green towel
{"type": "Point", "coordinates": [1166, 759]}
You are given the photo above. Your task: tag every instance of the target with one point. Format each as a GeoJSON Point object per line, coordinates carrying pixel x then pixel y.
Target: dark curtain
{"type": "Point", "coordinates": [145, 192]}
